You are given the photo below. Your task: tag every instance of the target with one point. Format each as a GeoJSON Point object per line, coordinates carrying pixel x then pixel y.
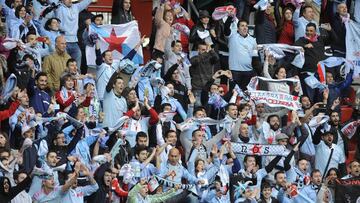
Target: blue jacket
{"type": "Point", "coordinates": [39, 99]}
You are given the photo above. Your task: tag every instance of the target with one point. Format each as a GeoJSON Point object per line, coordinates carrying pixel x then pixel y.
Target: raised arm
{"type": "Point", "coordinates": [20, 187]}
{"type": "Point", "coordinates": [266, 67]}
{"type": "Point", "coordinates": [111, 82]}
{"type": "Point", "coordinates": [277, 13]}
{"type": "Point", "coordinates": [159, 15]}
{"type": "Point", "coordinates": [70, 182]}
{"type": "Point", "coordinates": [216, 139]}
{"type": "Point", "coordinates": [82, 5]}
{"type": "Point", "coordinates": [296, 17]}
{"type": "Point", "coordinates": [272, 164]}
{"type": "Point", "coordinates": [227, 29]}
{"type": "Point", "coordinates": [99, 58]}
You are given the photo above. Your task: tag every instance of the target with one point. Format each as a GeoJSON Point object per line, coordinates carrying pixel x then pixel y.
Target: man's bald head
{"type": "Point", "coordinates": [174, 156]}
{"type": "Point", "coordinates": [60, 44]}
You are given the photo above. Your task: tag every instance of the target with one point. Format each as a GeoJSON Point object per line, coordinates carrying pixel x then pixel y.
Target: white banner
{"type": "Point", "coordinates": [276, 99]}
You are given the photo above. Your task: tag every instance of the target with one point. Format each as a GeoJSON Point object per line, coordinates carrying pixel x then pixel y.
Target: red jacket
{"type": "Point", "coordinates": [117, 189]}
{"type": "Point", "coordinates": [287, 34]}
{"type": "Point", "coordinates": [9, 112]}
{"type": "Point", "coordinates": [71, 98]}
{"type": "Point", "coordinates": [154, 117]}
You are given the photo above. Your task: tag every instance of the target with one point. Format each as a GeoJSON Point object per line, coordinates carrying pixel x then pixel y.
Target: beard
{"type": "Point", "coordinates": [334, 122]}
{"type": "Point", "coordinates": [275, 127]}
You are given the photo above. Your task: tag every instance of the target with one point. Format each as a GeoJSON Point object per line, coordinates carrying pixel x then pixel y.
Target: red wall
{"type": "Point", "coordinates": [101, 6]}
{"type": "Point", "coordinates": [142, 11]}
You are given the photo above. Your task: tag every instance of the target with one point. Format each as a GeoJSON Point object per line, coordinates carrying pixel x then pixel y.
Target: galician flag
{"type": "Point", "coordinates": [120, 39]}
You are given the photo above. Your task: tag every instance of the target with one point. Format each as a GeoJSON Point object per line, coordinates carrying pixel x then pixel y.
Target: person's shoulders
{"type": "Point", "coordinates": [67, 56]}
{"type": "Point", "coordinates": [337, 149]}
{"type": "Point", "coordinates": [251, 38]}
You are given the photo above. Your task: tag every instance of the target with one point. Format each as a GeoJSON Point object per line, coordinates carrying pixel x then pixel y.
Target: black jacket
{"type": "Point", "coordinates": [338, 43]}
{"type": "Point", "coordinates": [101, 194]}
{"type": "Point", "coordinates": [13, 191]}
{"type": "Point", "coordinates": [312, 55]}
{"type": "Point", "coordinates": [180, 90]}
{"type": "Point", "coordinates": [221, 40]}
{"type": "Point", "coordinates": [202, 69]}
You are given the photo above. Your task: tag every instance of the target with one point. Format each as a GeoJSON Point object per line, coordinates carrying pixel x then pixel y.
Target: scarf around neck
{"type": "Point", "coordinates": [312, 39]}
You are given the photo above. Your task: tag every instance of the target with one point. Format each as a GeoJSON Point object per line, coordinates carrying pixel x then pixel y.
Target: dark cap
{"type": "Point", "coordinates": [204, 14]}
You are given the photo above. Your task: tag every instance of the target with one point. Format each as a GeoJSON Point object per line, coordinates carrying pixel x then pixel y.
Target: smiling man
{"type": "Point", "coordinates": [328, 155]}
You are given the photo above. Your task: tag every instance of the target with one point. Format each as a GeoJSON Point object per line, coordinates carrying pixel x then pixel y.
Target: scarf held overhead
{"type": "Point", "coordinates": [254, 82]}
{"type": "Point", "coordinates": [258, 149]}
{"type": "Point", "coordinates": [280, 50]}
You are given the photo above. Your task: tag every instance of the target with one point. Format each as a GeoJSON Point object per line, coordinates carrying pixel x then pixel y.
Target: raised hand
{"type": "Point", "coordinates": [192, 98]}
{"type": "Point", "coordinates": [146, 103]}
{"type": "Point", "coordinates": [296, 147]}
{"type": "Point", "coordinates": [214, 149]}
{"type": "Point", "coordinates": [21, 94]}
{"type": "Point", "coordinates": [326, 94]}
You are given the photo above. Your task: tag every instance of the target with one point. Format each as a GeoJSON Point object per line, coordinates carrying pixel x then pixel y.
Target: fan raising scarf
{"type": "Point", "coordinates": [169, 183]}
{"type": "Point", "coordinates": [279, 51]}
{"type": "Point", "coordinates": [198, 121]}
{"type": "Point", "coordinates": [331, 62]}
{"type": "Point", "coordinates": [259, 149]}
{"type": "Point", "coordinates": [222, 12]}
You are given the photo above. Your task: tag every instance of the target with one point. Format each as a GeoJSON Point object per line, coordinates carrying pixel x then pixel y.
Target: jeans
{"type": "Point", "coordinates": [242, 78]}
{"type": "Point", "coordinates": [73, 49]}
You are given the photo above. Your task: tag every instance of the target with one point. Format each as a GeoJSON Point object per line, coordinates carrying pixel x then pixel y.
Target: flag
{"type": "Point", "coordinates": [353, 45]}
{"type": "Point", "coordinates": [347, 190]}
{"type": "Point", "coordinates": [120, 39]}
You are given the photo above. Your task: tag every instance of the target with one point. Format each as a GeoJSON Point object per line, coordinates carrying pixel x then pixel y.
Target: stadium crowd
{"type": "Point", "coordinates": [222, 112]}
